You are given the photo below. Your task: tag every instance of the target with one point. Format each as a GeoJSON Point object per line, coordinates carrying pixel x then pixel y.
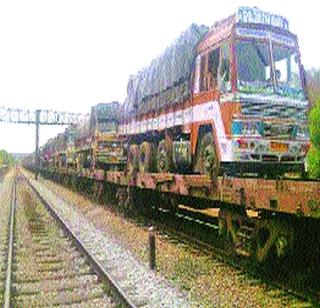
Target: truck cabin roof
{"type": "Point", "coordinates": [246, 22]}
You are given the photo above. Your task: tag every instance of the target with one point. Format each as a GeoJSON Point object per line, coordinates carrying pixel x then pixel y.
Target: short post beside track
{"type": "Point", "coordinates": [152, 248]}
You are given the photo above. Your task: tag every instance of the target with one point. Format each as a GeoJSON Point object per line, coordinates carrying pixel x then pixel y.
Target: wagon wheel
{"type": "Point", "coordinates": [274, 239]}
{"type": "Point", "coordinates": [210, 162]}
{"type": "Point", "coordinates": [133, 158]}
{"type": "Point", "coordinates": [164, 157]}
{"type": "Point", "coordinates": [145, 157]}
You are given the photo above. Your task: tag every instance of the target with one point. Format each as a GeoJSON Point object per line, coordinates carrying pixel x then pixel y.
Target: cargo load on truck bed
{"type": "Point", "coordinates": [82, 129]}
{"type": "Point", "coordinates": [166, 80]}
{"type": "Point", "coordinates": [105, 112]}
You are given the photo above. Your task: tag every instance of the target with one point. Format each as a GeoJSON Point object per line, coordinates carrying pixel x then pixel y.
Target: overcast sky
{"type": "Point", "coordinates": [72, 54]}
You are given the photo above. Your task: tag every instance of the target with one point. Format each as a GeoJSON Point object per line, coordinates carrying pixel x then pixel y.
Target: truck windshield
{"type": "Point", "coordinates": [254, 67]}
{"type": "Point", "coordinates": [71, 138]}
{"type": "Point", "coordinates": [255, 73]}
{"type": "Point", "coordinates": [107, 126]}
{"type": "Point", "coordinates": [288, 82]}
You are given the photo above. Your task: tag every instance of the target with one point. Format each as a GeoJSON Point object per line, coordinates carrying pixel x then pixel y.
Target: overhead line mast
{"type": "Point", "coordinates": [39, 117]}
{"type": "Point", "coordinates": [46, 117]}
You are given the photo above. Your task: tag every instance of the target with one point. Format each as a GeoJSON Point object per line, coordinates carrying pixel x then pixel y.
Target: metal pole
{"type": "Point", "coordinates": [152, 249]}
{"type": "Point", "coordinates": [37, 143]}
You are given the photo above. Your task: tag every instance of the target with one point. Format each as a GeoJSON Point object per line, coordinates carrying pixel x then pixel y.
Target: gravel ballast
{"type": "Point", "coordinates": [5, 201]}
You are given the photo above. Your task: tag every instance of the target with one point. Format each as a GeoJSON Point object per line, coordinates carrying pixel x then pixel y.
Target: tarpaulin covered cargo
{"type": "Point", "coordinates": [60, 142]}
{"type": "Point", "coordinates": [82, 129]}
{"type": "Point", "coordinates": [165, 81]}
{"type": "Point", "coordinates": [106, 111]}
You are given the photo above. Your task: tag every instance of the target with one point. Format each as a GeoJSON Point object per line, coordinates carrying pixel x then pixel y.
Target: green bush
{"type": "Point", "coordinates": [314, 152]}
{"type": "Point", "coordinates": [314, 163]}
{"type": "Point", "coordinates": [5, 158]}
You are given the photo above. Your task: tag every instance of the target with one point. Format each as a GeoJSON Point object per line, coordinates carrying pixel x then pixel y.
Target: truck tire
{"type": "Point", "coordinates": [164, 157]}
{"type": "Point", "coordinates": [133, 158]}
{"type": "Point", "coordinates": [145, 157]}
{"type": "Point", "coordinates": [210, 163]}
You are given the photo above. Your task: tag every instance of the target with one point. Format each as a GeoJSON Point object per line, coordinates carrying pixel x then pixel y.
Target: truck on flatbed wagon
{"type": "Point", "coordinates": [97, 142]}
{"type": "Point", "coordinates": [92, 144]}
{"type": "Point", "coordinates": [227, 99]}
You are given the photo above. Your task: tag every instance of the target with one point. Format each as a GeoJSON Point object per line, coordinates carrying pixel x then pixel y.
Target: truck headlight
{"type": "Point", "coordinates": [302, 132]}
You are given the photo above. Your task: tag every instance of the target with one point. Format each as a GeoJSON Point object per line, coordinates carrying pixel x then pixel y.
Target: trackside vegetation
{"type": "Point", "coordinates": [313, 87]}
{"type": "Point", "coordinates": [314, 129]}
{"type": "Point", "coordinates": [5, 158]}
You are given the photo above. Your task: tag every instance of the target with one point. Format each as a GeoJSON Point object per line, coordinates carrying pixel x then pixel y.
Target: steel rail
{"type": "Point", "coordinates": [96, 265]}
{"type": "Point", "coordinates": [8, 284]}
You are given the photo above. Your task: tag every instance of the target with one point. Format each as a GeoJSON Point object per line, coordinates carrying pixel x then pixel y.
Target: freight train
{"type": "Point", "coordinates": [224, 100]}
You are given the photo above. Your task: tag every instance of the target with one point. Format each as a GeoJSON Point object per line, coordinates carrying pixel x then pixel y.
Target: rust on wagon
{"type": "Point", "coordinates": [287, 196]}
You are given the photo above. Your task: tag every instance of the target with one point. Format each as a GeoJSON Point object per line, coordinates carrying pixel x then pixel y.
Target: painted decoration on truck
{"type": "Point", "coordinates": [256, 16]}
{"type": "Point", "coordinates": [217, 33]}
{"type": "Point", "coordinates": [203, 112]}
{"type": "Point", "coordinates": [264, 34]}
{"type": "Point", "coordinates": [178, 118]}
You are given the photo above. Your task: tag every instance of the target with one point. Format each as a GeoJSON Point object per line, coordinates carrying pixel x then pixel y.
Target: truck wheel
{"type": "Point", "coordinates": [145, 157]}
{"type": "Point", "coordinates": [163, 157]}
{"type": "Point", "coordinates": [133, 158]}
{"type": "Point", "coordinates": [210, 162]}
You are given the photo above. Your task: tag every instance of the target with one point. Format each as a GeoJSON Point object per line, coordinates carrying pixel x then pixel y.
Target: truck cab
{"type": "Point", "coordinates": [108, 146]}
{"type": "Point", "coordinates": [71, 150]}
{"type": "Point", "coordinates": [248, 73]}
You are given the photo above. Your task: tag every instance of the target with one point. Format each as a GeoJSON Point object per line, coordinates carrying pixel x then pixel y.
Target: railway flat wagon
{"type": "Point", "coordinates": [258, 215]}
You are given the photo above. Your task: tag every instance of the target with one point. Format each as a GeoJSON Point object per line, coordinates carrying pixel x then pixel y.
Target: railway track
{"type": "Point", "coordinates": [172, 229]}
{"type": "Point", "coordinates": [44, 265]}
{"type": "Point", "coordinates": [129, 281]}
